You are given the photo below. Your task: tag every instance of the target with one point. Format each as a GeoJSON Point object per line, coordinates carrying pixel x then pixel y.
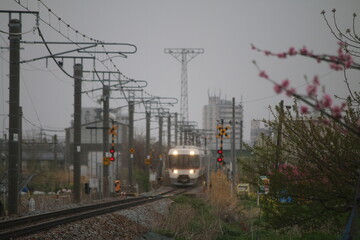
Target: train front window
{"type": "Point", "coordinates": [184, 161]}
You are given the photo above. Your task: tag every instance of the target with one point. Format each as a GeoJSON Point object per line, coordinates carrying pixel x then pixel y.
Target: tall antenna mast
{"type": "Point", "coordinates": [184, 55]}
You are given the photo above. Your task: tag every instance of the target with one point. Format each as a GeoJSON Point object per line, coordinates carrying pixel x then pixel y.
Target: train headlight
{"type": "Point", "coordinates": [192, 153]}
{"type": "Point", "coordinates": [175, 152]}
{"type": "Point", "coordinates": [191, 171]}
{"type": "Point", "coordinates": [175, 171]}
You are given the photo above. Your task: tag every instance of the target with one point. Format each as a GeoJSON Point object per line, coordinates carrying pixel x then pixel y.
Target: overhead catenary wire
{"type": "Point", "coordinates": [112, 64]}
{"type": "Point", "coordinates": [77, 32]}
{"type": "Point", "coordinates": [41, 128]}
{"type": "Point", "coordinates": [31, 101]}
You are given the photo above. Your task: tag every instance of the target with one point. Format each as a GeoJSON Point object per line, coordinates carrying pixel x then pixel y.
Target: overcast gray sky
{"type": "Point", "coordinates": [224, 28]}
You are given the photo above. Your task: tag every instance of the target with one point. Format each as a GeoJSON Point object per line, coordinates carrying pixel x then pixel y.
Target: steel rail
{"type": "Point", "coordinates": [37, 223]}
{"type": "Point", "coordinates": [37, 226]}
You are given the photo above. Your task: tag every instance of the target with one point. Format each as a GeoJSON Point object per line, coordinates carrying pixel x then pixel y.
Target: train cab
{"type": "Point", "coordinates": [185, 165]}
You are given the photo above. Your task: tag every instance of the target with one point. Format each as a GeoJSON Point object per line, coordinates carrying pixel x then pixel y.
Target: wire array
{"type": "Point", "coordinates": [60, 26]}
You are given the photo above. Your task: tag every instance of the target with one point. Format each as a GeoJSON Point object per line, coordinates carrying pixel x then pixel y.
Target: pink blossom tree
{"type": "Point", "coordinates": [323, 150]}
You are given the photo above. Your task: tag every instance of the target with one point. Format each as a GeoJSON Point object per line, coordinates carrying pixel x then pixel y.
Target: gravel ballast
{"type": "Point", "coordinates": [134, 223]}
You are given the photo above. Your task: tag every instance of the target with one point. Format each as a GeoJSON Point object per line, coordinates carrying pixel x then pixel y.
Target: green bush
{"type": "Point", "coordinates": [142, 178]}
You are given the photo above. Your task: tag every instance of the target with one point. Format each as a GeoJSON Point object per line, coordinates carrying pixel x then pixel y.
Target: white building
{"type": "Point", "coordinates": [258, 127]}
{"type": "Point", "coordinates": [222, 109]}
{"type": "Point", "coordinates": [91, 157]}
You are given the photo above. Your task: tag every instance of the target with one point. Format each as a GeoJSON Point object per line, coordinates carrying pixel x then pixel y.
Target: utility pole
{"type": "Point", "coordinates": [20, 150]}
{"type": "Point", "coordinates": [14, 100]}
{"type": "Point", "coordinates": [106, 96]}
{"type": "Point", "coordinates": [77, 131]}
{"type": "Point", "coordinates": [279, 132]}
{"type": "Point", "coordinates": [131, 140]}
{"type": "Point", "coordinates": [241, 135]}
{"type": "Point", "coordinates": [159, 168]}
{"type": "Point", "coordinates": [160, 134]}
{"type": "Point", "coordinates": [182, 54]}
{"type": "Point", "coordinates": [233, 156]}
{"type": "Point", "coordinates": [55, 149]}
{"type": "Point", "coordinates": [176, 129]}
{"type": "Point", "coordinates": [169, 131]}
{"type": "Point", "coordinates": [181, 134]}
{"type": "Point", "coordinates": [148, 118]}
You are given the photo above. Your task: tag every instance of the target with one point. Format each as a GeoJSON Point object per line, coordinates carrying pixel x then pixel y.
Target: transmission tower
{"type": "Point", "coordinates": [184, 55]}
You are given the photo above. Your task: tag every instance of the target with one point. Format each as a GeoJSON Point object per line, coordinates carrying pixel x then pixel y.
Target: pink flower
{"type": "Point", "coordinates": [316, 81]}
{"type": "Point", "coordinates": [318, 106]}
{"type": "Point", "coordinates": [343, 106]}
{"type": "Point", "coordinates": [326, 121]}
{"type": "Point", "coordinates": [281, 55]}
{"type": "Point", "coordinates": [304, 51]}
{"type": "Point", "coordinates": [336, 67]}
{"type": "Point", "coordinates": [304, 110]}
{"type": "Point", "coordinates": [349, 61]}
{"type": "Point", "coordinates": [267, 53]}
{"type": "Point", "coordinates": [326, 101]}
{"type": "Point", "coordinates": [336, 112]}
{"type": "Point", "coordinates": [285, 83]}
{"type": "Point", "coordinates": [340, 51]}
{"type": "Point", "coordinates": [333, 59]}
{"type": "Point", "coordinates": [277, 88]}
{"type": "Point", "coordinates": [344, 131]}
{"type": "Point", "coordinates": [290, 92]}
{"type": "Point", "coordinates": [311, 90]}
{"type": "Point", "coordinates": [292, 51]}
{"type": "Point", "coordinates": [263, 75]}
{"type": "Point", "coordinates": [341, 44]}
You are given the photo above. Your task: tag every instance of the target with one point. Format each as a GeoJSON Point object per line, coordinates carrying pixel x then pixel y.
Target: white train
{"type": "Point", "coordinates": [186, 165]}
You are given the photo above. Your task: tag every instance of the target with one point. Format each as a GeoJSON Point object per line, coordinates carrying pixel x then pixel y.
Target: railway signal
{"type": "Point", "coordinates": [112, 152]}
{"type": "Point", "coordinates": [113, 133]}
{"type": "Point", "coordinates": [220, 158]}
{"type": "Point", "coordinates": [221, 133]}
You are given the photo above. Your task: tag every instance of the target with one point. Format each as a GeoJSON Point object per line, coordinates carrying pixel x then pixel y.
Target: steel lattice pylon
{"type": "Point", "coordinates": [184, 55]}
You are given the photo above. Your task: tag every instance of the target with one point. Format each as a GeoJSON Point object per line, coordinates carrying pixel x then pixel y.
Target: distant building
{"type": "Point", "coordinates": [258, 128]}
{"type": "Point", "coordinates": [221, 109]}
{"type": "Point", "coordinates": [91, 157]}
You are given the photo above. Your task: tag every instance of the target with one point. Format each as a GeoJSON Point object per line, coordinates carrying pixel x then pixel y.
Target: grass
{"type": "Point", "coordinates": [273, 235]}
{"type": "Point", "coordinates": [221, 215]}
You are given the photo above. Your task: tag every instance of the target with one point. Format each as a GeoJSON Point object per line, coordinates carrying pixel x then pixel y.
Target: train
{"type": "Point", "coordinates": [186, 165]}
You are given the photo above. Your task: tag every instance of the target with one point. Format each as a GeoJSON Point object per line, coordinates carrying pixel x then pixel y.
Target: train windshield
{"type": "Point", "coordinates": [184, 161]}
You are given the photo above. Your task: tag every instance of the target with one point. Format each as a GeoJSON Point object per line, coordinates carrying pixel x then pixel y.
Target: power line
{"type": "Point", "coordinates": [68, 26]}
{"type": "Point", "coordinates": [41, 128]}
{"type": "Point", "coordinates": [32, 103]}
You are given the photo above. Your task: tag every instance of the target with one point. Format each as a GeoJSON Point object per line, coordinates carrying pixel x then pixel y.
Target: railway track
{"type": "Point", "coordinates": [32, 224]}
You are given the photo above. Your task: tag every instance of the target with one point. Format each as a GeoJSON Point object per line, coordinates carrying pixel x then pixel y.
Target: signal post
{"type": "Point", "coordinates": [222, 132]}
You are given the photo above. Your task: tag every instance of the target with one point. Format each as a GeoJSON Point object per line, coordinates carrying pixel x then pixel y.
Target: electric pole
{"type": "Point", "coordinates": [233, 155]}
{"type": "Point", "coordinates": [14, 100]}
{"type": "Point", "coordinates": [279, 132]}
{"type": "Point", "coordinates": [148, 119]}
{"type": "Point", "coordinates": [131, 141]}
{"type": "Point", "coordinates": [169, 131]}
{"type": "Point", "coordinates": [106, 96]}
{"type": "Point", "coordinates": [176, 129]}
{"type": "Point", "coordinates": [77, 131]}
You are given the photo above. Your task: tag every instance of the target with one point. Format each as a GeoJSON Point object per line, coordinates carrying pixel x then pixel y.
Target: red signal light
{"type": "Point", "coordinates": [112, 159]}
{"type": "Point", "coordinates": [220, 159]}
{"type": "Point", "coordinates": [112, 150]}
{"type": "Point", "coordinates": [220, 151]}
